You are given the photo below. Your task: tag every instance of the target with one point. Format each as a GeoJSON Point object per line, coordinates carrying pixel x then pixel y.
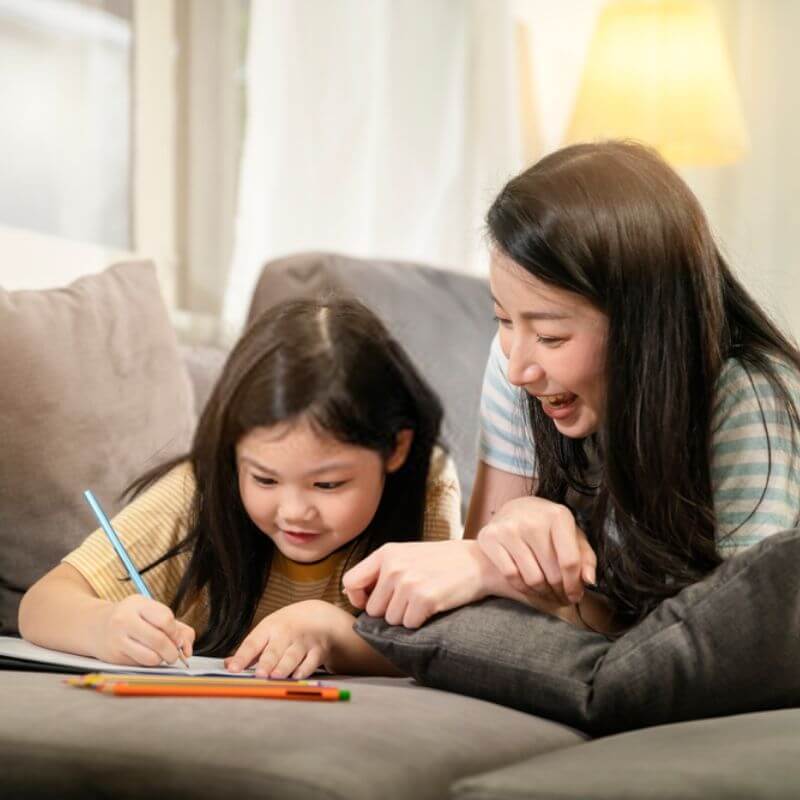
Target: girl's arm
{"type": "Point", "coordinates": [62, 611]}
{"type": "Point", "coordinates": [296, 640]}
{"type": "Point", "coordinates": [351, 654]}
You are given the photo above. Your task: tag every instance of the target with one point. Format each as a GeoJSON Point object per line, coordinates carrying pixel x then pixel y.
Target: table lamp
{"type": "Point", "coordinates": [657, 71]}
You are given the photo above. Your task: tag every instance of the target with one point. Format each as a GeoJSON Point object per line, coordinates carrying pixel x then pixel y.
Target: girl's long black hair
{"type": "Point", "coordinates": [332, 362]}
{"type": "Point", "coordinates": [612, 222]}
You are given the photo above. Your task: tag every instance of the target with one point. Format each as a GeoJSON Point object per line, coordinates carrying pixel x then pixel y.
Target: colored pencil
{"type": "Point", "coordinates": [312, 693]}
{"type": "Point", "coordinates": [95, 679]}
{"type": "Point", "coordinates": [116, 543]}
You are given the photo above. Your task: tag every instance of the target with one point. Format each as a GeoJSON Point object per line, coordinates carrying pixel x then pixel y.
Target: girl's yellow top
{"type": "Point", "coordinates": [156, 520]}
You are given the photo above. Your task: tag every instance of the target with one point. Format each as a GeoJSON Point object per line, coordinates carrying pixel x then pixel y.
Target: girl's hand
{"type": "Point", "coordinates": [537, 547]}
{"type": "Point", "coordinates": [409, 582]}
{"type": "Point", "coordinates": [293, 642]}
{"type": "Point", "coordinates": [141, 631]}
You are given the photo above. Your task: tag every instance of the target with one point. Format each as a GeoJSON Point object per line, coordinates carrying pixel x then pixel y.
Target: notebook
{"type": "Point", "coordinates": [18, 654]}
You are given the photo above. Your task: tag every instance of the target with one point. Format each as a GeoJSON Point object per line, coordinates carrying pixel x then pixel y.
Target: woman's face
{"type": "Point", "coordinates": [555, 343]}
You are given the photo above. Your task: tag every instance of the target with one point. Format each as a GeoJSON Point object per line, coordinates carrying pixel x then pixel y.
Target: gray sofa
{"type": "Point", "coordinates": [394, 739]}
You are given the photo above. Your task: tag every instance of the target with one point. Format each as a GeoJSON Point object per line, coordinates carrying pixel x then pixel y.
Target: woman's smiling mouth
{"type": "Point", "coordinates": [557, 406]}
{"type": "Point", "coordinates": [557, 400]}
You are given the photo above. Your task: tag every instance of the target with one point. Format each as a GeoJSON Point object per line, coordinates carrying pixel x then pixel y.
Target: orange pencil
{"type": "Point", "coordinates": [276, 692]}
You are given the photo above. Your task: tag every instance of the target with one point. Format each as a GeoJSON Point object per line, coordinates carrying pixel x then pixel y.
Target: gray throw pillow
{"type": "Point", "coordinates": [93, 393]}
{"type": "Point", "coordinates": [726, 645]}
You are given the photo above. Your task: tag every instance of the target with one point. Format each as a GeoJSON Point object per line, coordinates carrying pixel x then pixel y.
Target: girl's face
{"type": "Point", "coordinates": [310, 493]}
{"type": "Point", "coordinates": [555, 342]}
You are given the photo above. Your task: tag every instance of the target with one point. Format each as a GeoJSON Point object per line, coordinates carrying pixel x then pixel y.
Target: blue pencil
{"type": "Point", "coordinates": [105, 524]}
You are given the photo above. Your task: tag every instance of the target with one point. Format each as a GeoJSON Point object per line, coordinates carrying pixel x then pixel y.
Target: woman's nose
{"type": "Point", "coordinates": [522, 371]}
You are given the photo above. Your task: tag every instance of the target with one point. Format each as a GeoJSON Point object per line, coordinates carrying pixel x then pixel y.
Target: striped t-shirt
{"type": "Point", "coordinates": [156, 520]}
{"type": "Point", "coordinates": [750, 456]}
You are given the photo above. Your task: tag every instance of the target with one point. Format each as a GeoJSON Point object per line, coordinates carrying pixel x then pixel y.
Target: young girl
{"type": "Point", "coordinates": [316, 447]}
{"type": "Point", "coordinates": [639, 412]}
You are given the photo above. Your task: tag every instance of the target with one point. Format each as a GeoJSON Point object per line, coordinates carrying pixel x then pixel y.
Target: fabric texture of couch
{"type": "Point", "coordinates": [395, 738]}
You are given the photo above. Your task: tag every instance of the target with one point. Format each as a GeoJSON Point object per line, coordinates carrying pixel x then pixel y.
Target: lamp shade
{"type": "Point", "coordinates": [657, 71]}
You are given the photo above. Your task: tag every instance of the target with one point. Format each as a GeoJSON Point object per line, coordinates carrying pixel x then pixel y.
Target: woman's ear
{"type": "Point", "coordinates": [401, 448]}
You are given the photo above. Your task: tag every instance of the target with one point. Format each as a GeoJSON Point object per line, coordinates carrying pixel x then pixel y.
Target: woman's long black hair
{"type": "Point", "coordinates": [333, 363]}
{"type": "Point", "coordinates": [612, 222]}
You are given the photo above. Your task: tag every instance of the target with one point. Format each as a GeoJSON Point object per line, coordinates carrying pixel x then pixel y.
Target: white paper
{"type": "Point", "coordinates": [198, 665]}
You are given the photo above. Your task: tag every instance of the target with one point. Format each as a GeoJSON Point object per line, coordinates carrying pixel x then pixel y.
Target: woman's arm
{"type": "Point", "coordinates": [493, 488]}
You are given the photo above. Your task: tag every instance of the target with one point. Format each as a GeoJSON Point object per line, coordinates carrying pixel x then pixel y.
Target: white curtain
{"type": "Point", "coordinates": [374, 128]}
{"type": "Point", "coordinates": [383, 128]}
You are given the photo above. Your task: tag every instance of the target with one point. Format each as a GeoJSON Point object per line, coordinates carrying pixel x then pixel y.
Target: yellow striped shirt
{"type": "Point", "coordinates": [157, 519]}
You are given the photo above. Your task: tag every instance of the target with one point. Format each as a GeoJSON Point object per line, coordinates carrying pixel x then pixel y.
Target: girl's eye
{"type": "Point", "coordinates": [328, 486]}
{"type": "Point", "coordinates": [502, 321]}
{"type": "Point", "coordinates": [549, 341]}
{"type": "Point", "coordinates": [262, 481]}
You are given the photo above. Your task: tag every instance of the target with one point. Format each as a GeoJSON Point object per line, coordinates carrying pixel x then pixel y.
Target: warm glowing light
{"type": "Point", "coordinates": [657, 71]}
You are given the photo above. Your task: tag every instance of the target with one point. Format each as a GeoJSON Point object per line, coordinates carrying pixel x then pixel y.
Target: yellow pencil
{"type": "Point", "coordinates": [95, 679]}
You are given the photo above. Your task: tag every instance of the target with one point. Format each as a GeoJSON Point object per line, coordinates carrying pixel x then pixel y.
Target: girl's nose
{"type": "Point", "coordinates": [295, 507]}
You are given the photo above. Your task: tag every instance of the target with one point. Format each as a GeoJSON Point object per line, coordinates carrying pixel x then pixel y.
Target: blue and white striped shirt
{"type": "Point", "coordinates": [744, 448]}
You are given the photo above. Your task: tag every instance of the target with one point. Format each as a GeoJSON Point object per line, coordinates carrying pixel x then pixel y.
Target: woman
{"type": "Point", "coordinates": [661, 405]}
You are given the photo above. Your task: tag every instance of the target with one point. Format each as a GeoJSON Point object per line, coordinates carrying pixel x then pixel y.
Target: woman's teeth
{"type": "Point", "coordinates": [558, 400]}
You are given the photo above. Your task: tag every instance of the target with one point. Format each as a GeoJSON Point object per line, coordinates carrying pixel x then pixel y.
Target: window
{"type": "Point", "coordinates": [65, 118]}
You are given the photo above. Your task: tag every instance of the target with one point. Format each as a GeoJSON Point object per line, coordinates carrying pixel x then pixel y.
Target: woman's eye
{"type": "Point", "coordinates": [502, 321]}
{"type": "Point", "coordinates": [261, 481]}
{"type": "Point", "coordinates": [549, 341]}
{"type": "Point", "coordinates": [328, 486]}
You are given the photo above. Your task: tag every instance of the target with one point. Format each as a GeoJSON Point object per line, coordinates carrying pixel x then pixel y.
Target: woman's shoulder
{"type": "Point", "coordinates": [735, 371]}
{"type": "Point", "coordinates": [743, 388]}
{"type": "Point", "coordinates": [755, 460]}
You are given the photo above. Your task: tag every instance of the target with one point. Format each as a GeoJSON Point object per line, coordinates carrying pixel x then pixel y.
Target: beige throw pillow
{"type": "Point", "coordinates": [92, 393]}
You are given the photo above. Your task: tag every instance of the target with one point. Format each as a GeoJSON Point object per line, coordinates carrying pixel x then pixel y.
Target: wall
{"type": "Point", "coordinates": [754, 205]}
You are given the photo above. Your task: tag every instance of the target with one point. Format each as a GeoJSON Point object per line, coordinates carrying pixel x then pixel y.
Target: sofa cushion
{"type": "Point", "coordinates": [443, 318]}
{"type": "Point", "coordinates": [204, 363]}
{"type": "Point", "coordinates": [725, 645]}
{"type": "Point", "coordinates": [753, 756]}
{"type": "Point", "coordinates": [93, 393]}
{"type": "Point", "coordinates": [392, 740]}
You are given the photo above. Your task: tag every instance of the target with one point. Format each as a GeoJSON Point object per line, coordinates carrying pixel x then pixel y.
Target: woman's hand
{"type": "Point", "coordinates": [294, 641]}
{"type": "Point", "coordinates": [142, 631]}
{"type": "Point", "coordinates": [409, 582]}
{"type": "Point", "coordinates": [537, 547]}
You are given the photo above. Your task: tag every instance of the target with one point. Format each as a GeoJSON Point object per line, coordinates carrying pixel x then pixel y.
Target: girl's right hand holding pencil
{"type": "Point", "coordinates": [139, 630]}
